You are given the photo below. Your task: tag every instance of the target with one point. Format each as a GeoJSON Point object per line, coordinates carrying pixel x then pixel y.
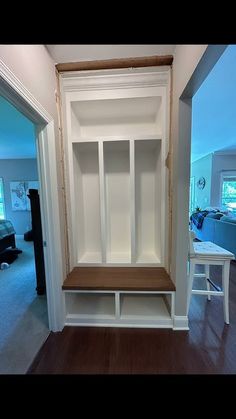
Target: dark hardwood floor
{"type": "Point", "coordinates": [209, 347]}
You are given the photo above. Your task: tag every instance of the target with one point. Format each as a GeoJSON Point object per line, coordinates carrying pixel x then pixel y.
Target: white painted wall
{"type": "Point", "coordinates": [186, 59]}
{"type": "Point", "coordinates": [34, 67]}
{"type": "Point", "coordinates": [70, 53]}
{"type": "Point", "coordinates": [220, 163]}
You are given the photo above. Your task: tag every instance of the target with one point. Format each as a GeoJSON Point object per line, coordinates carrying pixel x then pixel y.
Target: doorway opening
{"type": "Point", "coordinates": [23, 300]}
{"type": "Point", "coordinates": [212, 208]}
{"type": "Point", "coordinates": [17, 95]}
{"type": "Point", "coordinates": [213, 149]}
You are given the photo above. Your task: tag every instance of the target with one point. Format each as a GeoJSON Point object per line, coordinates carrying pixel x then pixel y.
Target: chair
{"type": "Point", "coordinates": [208, 253]}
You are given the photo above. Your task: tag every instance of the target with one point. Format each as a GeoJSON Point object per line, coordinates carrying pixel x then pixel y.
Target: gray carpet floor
{"type": "Point", "coordinates": [23, 314]}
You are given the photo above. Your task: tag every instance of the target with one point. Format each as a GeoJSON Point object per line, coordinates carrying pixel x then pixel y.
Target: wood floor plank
{"type": "Point", "coordinates": [207, 348]}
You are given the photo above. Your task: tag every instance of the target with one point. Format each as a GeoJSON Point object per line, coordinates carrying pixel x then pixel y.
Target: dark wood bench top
{"type": "Point", "coordinates": [118, 278]}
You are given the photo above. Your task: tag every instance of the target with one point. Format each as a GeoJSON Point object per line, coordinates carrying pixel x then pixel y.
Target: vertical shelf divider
{"type": "Point", "coordinates": [117, 305]}
{"type": "Point", "coordinates": [102, 199]}
{"type": "Point", "coordinates": [132, 201]}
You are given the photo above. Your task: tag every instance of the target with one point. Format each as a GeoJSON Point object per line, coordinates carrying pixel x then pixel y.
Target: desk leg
{"type": "Point", "coordinates": [225, 283]}
{"type": "Point", "coordinates": [190, 282]}
{"type": "Point", "coordinates": [207, 272]}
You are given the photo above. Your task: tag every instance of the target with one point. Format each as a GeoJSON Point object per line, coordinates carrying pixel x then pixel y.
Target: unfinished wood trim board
{"type": "Point", "coordinates": [150, 61]}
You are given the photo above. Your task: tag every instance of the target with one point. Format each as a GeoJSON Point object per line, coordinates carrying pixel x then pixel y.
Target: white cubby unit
{"type": "Point", "coordinates": [115, 132]}
{"type": "Point", "coordinates": [119, 308]}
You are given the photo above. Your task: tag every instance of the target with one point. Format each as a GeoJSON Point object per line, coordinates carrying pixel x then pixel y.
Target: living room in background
{"type": "Point", "coordinates": [213, 163]}
{"type": "Point", "coordinates": [2, 204]}
{"type": "Point", "coordinates": [213, 149]}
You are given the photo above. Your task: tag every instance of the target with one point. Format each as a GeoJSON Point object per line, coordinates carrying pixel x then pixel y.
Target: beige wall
{"type": "Point", "coordinates": [33, 66]}
{"type": "Point", "coordinates": [186, 59]}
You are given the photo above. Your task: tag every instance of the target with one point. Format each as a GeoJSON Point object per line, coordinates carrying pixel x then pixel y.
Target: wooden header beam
{"type": "Point", "coordinates": [154, 60]}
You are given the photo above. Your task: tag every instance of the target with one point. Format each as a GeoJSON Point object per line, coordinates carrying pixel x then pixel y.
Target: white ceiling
{"type": "Point", "coordinates": [70, 53]}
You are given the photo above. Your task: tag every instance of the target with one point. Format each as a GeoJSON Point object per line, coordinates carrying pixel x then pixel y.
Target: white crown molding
{"type": "Point", "coordinates": [7, 75]}
{"type": "Point", "coordinates": [181, 323]}
{"type": "Point", "coordinates": [113, 79]}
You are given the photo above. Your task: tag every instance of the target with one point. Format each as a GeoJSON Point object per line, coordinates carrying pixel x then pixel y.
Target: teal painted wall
{"type": "Point", "coordinates": [202, 168]}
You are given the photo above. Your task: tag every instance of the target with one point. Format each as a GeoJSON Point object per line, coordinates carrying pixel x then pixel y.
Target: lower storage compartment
{"type": "Point", "coordinates": [144, 307]}
{"type": "Point", "coordinates": [119, 308]}
{"type": "Point", "coordinates": [91, 306]}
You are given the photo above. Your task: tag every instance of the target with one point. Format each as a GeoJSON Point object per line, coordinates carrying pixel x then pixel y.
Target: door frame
{"type": "Point", "coordinates": [181, 180]}
{"type": "Point", "coordinates": [12, 89]}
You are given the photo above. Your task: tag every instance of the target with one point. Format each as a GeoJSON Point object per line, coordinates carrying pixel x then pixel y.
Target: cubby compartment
{"type": "Point", "coordinates": [119, 117]}
{"type": "Point", "coordinates": [148, 198]}
{"type": "Point", "coordinates": [86, 202]}
{"type": "Point", "coordinates": [117, 201]}
{"type": "Point", "coordinates": [85, 305]}
{"type": "Point", "coordinates": [151, 308]}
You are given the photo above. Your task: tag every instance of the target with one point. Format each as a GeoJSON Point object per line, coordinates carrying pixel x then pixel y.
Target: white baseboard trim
{"type": "Point", "coordinates": [181, 323]}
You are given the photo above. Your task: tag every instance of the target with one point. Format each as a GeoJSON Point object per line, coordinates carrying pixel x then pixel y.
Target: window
{"type": "Point", "coordinates": [2, 209]}
{"type": "Point", "coordinates": [228, 192]}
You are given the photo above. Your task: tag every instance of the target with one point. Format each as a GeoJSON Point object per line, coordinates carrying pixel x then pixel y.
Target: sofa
{"type": "Point", "coordinates": [219, 231]}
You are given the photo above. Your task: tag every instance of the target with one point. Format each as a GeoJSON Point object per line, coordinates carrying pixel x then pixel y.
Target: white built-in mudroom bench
{"type": "Point", "coordinates": [115, 131]}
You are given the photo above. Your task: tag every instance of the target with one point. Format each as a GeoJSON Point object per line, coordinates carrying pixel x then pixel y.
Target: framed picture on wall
{"type": "Point", "coordinates": [18, 196]}
{"type": "Point", "coordinates": [19, 191]}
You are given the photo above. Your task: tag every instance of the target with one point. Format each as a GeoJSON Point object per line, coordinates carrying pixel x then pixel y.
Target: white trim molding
{"type": "Point", "coordinates": [115, 79]}
{"type": "Point", "coordinates": [12, 81]}
{"type": "Point", "coordinates": [51, 227]}
{"type": "Point", "coordinates": [181, 323]}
